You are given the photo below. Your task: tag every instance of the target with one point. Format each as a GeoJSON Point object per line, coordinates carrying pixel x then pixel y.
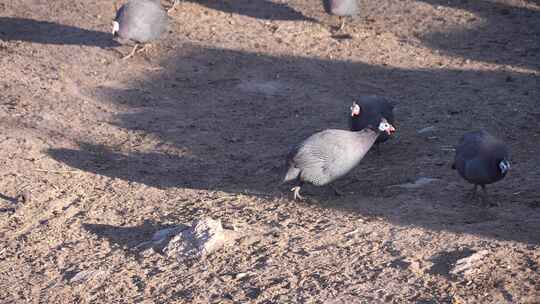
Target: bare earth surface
{"type": "Point", "coordinates": [112, 151]}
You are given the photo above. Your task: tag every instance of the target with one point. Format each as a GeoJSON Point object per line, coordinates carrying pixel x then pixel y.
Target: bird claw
{"type": "Point", "coordinates": [132, 52]}
{"type": "Point", "coordinates": [175, 3]}
{"type": "Point", "coordinates": [136, 50]}
{"type": "Point", "coordinates": [342, 25]}
{"type": "Point", "coordinates": [296, 191]}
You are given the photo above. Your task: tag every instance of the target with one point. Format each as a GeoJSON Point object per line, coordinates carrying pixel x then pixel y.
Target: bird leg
{"type": "Point", "coordinates": [485, 197]}
{"type": "Point", "coordinates": [336, 191]}
{"type": "Point", "coordinates": [342, 26]}
{"type": "Point", "coordinates": [378, 149]}
{"type": "Point", "coordinates": [132, 52]}
{"type": "Point", "coordinates": [471, 195]}
{"type": "Point", "coordinates": [175, 3]}
{"type": "Point", "coordinates": [296, 191]}
{"type": "Point", "coordinates": [473, 192]}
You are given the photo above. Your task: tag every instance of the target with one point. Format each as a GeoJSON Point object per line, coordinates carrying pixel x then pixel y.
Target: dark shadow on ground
{"type": "Point", "coordinates": [9, 199]}
{"type": "Point", "coordinates": [129, 238]}
{"type": "Point", "coordinates": [224, 120]}
{"type": "Point", "coordinates": [46, 32]}
{"type": "Point", "coordinates": [260, 9]}
{"type": "Point", "coordinates": [506, 34]}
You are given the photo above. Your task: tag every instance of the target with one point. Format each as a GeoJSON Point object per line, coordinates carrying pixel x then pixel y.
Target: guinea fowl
{"type": "Point", "coordinates": [481, 159]}
{"type": "Point", "coordinates": [368, 111]}
{"type": "Point", "coordinates": [330, 154]}
{"type": "Point", "coordinates": [139, 22]}
{"type": "Point", "coordinates": [341, 8]}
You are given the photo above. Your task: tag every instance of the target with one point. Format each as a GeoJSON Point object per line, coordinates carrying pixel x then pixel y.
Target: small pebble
{"type": "Point", "coordinates": [24, 197]}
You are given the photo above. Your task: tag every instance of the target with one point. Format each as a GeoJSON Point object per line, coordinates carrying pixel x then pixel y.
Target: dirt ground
{"type": "Point", "coordinates": [112, 151]}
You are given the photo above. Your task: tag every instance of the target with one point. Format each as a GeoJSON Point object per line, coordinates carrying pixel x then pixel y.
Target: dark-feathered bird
{"type": "Point", "coordinates": [341, 8]}
{"type": "Point", "coordinates": [139, 22]}
{"type": "Point", "coordinates": [330, 154]}
{"type": "Point", "coordinates": [368, 110]}
{"type": "Point", "coordinates": [481, 159]}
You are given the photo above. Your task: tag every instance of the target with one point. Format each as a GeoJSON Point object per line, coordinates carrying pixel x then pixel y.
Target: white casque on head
{"type": "Point", "coordinates": [355, 109]}
{"type": "Point", "coordinates": [385, 126]}
{"type": "Point", "coordinates": [115, 27]}
{"type": "Point", "coordinates": [504, 165]}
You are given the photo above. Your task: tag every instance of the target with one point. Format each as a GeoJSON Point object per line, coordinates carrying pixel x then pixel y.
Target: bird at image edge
{"type": "Point", "coordinates": [139, 22]}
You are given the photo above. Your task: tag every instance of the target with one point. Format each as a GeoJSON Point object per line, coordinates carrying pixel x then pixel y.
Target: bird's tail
{"type": "Point", "coordinates": [291, 174]}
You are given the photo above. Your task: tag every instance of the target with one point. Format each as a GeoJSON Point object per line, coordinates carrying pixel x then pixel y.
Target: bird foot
{"type": "Point", "coordinates": [486, 201]}
{"type": "Point", "coordinates": [145, 48]}
{"type": "Point", "coordinates": [296, 191]}
{"type": "Point", "coordinates": [342, 25]}
{"type": "Point", "coordinates": [131, 53]}
{"type": "Point", "coordinates": [136, 50]}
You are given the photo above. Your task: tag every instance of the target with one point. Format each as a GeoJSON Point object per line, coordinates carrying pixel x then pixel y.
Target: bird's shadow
{"type": "Point", "coordinates": [11, 200]}
{"type": "Point", "coordinates": [261, 9]}
{"type": "Point", "coordinates": [45, 32]}
{"type": "Point", "coordinates": [127, 237]}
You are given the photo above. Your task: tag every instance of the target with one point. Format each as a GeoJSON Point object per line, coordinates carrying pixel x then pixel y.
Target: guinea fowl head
{"type": "Point", "coordinates": [504, 166]}
{"type": "Point", "coordinates": [355, 109]}
{"type": "Point", "coordinates": [385, 126]}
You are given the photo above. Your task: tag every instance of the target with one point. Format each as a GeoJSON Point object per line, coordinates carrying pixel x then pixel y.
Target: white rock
{"type": "Point", "coordinates": [202, 238]}
{"type": "Point", "coordinates": [467, 266]}
{"type": "Point", "coordinates": [86, 275]}
{"type": "Point", "coordinates": [164, 234]}
{"type": "Point", "coordinates": [241, 275]}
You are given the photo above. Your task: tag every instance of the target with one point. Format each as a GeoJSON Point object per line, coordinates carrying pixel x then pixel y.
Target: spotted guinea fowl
{"type": "Point", "coordinates": [341, 8]}
{"type": "Point", "coordinates": [330, 154]}
{"type": "Point", "coordinates": [481, 159]}
{"type": "Point", "coordinates": [139, 22]}
{"type": "Point", "coordinates": [367, 111]}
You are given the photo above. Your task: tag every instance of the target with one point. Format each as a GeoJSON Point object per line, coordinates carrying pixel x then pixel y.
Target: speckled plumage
{"type": "Point", "coordinates": [140, 21]}
{"type": "Point", "coordinates": [478, 157]}
{"type": "Point", "coordinates": [341, 7]}
{"type": "Point", "coordinates": [328, 155]}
